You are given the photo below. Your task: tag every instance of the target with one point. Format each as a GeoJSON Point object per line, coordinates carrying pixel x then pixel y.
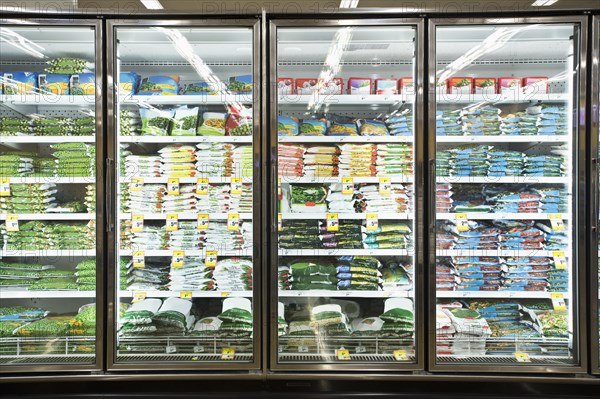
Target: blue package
{"type": "Point", "coordinates": [240, 84]}
{"type": "Point", "coordinates": [19, 82]}
{"type": "Point", "coordinates": [159, 86]}
{"type": "Point", "coordinates": [200, 89]}
{"type": "Point", "coordinates": [128, 82]}
{"type": "Point", "coordinates": [55, 83]}
{"type": "Point", "coordinates": [83, 84]}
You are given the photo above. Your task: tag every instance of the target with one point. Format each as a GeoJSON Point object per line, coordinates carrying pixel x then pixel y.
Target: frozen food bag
{"type": "Point", "coordinates": [239, 122]}
{"type": "Point", "coordinates": [240, 84]}
{"type": "Point", "coordinates": [159, 86]}
{"type": "Point", "coordinates": [128, 82]}
{"type": "Point", "coordinates": [185, 121]}
{"type": "Point", "coordinates": [287, 126]}
{"type": "Point", "coordinates": [213, 124]}
{"type": "Point", "coordinates": [54, 83]}
{"type": "Point", "coordinates": [200, 89]}
{"type": "Point", "coordinates": [156, 122]}
{"type": "Point", "coordinates": [313, 127]}
{"type": "Point", "coordinates": [19, 82]}
{"type": "Point", "coordinates": [372, 127]}
{"type": "Point", "coordinates": [83, 84]}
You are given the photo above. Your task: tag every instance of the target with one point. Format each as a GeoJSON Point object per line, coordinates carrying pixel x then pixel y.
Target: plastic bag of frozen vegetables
{"type": "Point", "coordinates": [185, 121]}
{"type": "Point", "coordinates": [239, 122]}
{"type": "Point", "coordinates": [213, 124]}
{"type": "Point", "coordinates": [156, 122]}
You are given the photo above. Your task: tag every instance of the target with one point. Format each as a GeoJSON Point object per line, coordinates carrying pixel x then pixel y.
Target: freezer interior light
{"type": "Point", "coordinates": [543, 3]}
{"type": "Point", "coordinates": [152, 4]}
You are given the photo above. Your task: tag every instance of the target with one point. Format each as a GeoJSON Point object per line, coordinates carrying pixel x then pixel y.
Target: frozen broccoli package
{"type": "Point", "coordinates": [185, 122]}
{"type": "Point", "coordinates": [159, 86]}
{"type": "Point", "coordinates": [54, 83]}
{"type": "Point", "coordinates": [19, 82]}
{"type": "Point", "coordinates": [156, 122]}
{"type": "Point", "coordinates": [128, 82]}
{"type": "Point", "coordinates": [213, 124]}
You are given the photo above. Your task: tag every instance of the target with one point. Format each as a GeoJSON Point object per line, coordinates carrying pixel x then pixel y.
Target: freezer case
{"type": "Point", "coordinates": [595, 200]}
{"type": "Point", "coordinates": [185, 143]}
{"type": "Point", "coordinates": [49, 129]}
{"type": "Point", "coordinates": [506, 138]}
{"type": "Point", "coordinates": [344, 250]}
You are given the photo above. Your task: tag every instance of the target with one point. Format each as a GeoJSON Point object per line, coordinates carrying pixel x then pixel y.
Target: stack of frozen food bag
{"type": "Point", "coordinates": [519, 235]}
{"type": "Point", "coordinates": [553, 199]}
{"type": "Point", "coordinates": [554, 239]}
{"type": "Point", "coordinates": [505, 163]}
{"type": "Point", "coordinates": [443, 197]}
{"type": "Point", "coordinates": [233, 274]}
{"type": "Point", "coordinates": [153, 276]}
{"type": "Point", "coordinates": [219, 237]}
{"type": "Point", "coordinates": [187, 236]}
{"type": "Point", "coordinates": [16, 164]}
{"type": "Point", "coordinates": [130, 123]}
{"type": "Point", "coordinates": [178, 160]}
{"type": "Point", "coordinates": [469, 160]}
{"type": "Point", "coordinates": [356, 160]}
{"type": "Point", "coordinates": [14, 126]}
{"type": "Point", "coordinates": [322, 162]}
{"type": "Point", "coordinates": [394, 159]}
{"type": "Point", "coordinates": [468, 198]}
{"type": "Point", "coordinates": [213, 159]}
{"type": "Point", "coordinates": [475, 236]}
{"type": "Point", "coordinates": [143, 165]}
{"type": "Point", "coordinates": [526, 273]}
{"type": "Point", "coordinates": [478, 273]}
{"type": "Point", "coordinates": [551, 119]}
{"type": "Point", "coordinates": [399, 200]}
{"type": "Point", "coordinates": [442, 163]}
{"type": "Point", "coordinates": [400, 124]}
{"type": "Point", "coordinates": [290, 160]}
{"type": "Point", "coordinates": [236, 318]}
{"type": "Point", "coordinates": [359, 273]}
{"type": "Point", "coordinates": [312, 274]}
{"type": "Point", "coordinates": [150, 238]}
{"type": "Point", "coordinates": [471, 330]}
{"type": "Point", "coordinates": [240, 163]}
{"type": "Point", "coordinates": [483, 121]}
{"type": "Point", "coordinates": [337, 201]}
{"type": "Point", "coordinates": [444, 332]}
{"type": "Point", "coordinates": [185, 201]}
{"type": "Point", "coordinates": [148, 199]}
{"type": "Point", "coordinates": [398, 318]}
{"type": "Point", "coordinates": [388, 235]}
{"type": "Point", "coordinates": [74, 159]}
{"type": "Point", "coordinates": [29, 198]}
{"type": "Point", "coordinates": [545, 166]}
{"type": "Point", "coordinates": [194, 275]}
{"type": "Point", "coordinates": [90, 198]}
{"type": "Point", "coordinates": [447, 123]}
{"type": "Point", "coordinates": [446, 276]}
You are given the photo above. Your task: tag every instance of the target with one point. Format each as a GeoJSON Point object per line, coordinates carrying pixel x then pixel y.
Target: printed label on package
{"type": "Point", "coordinates": [137, 222]}
{"type": "Point", "coordinates": [202, 186]}
{"type": "Point", "coordinates": [139, 259]}
{"type": "Point", "coordinates": [333, 222]}
{"type": "Point", "coordinates": [522, 357]}
{"type": "Point", "coordinates": [137, 183]}
{"type": "Point", "coordinates": [233, 221]}
{"type": "Point", "coordinates": [172, 222]}
{"type": "Point", "coordinates": [12, 223]}
{"type": "Point", "coordinates": [347, 185]}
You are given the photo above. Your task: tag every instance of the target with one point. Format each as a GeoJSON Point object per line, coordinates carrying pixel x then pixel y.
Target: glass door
{"type": "Point", "coordinates": [186, 127]}
{"type": "Point", "coordinates": [344, 138]}
{"type": "Point", "coordinates": [506, 152]}
{"type": "Point", "coordinates": [595, 139]}
{"type": "Point", "coordinates": [49, 129]}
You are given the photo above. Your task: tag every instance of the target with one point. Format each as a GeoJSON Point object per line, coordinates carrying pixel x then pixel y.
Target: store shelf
{"type": "Point", "coordinates": [46, 139]}
{"type": "Point", "coordinates": [199, 253]}
{"type": "Point", "coordinates": [333, 180]}
{"type": "Point", "coordinates": [344, 294]}
{"type": "Point", "coordinates": [27, 294]}
{"type": "Point", "coordinates": [56, 180]}
{"type": "Point", "coordinates": [495, 216]}
{"type": "Point", "coordinates": [185, 139]}
{"type": "Point", "coordinates": [48, 252]}
{"type": "Point", "coordinates": [195, 294]}
{"type": "Point", "coordinates": [498, 252]}
{"type": "Point", "coordinates": [345, 99]}
{"type": "Point", "coordinates": [504, 179]}
{"type": "Point", "coordinates": [358, 216]}
{"type": "Point", "coordinates": [510, 98]}
{"type": "Point", "coordinates": [185, 180]}
{"type": "Point", "coordinates": [185, 100]}
{"type": "Point", "coordinates": [48, 99]}
{"type": "Point", "coordinates": [498, 294]}
{"type": "Point", "coordinates": [501, 139]}
{"type": "Point", "coordinates": [185, 216]}
{"type": "Point", "coordinates": [345, 139]}
{"type": "Point", "coordinates": [344, 252]}
{"type": "Point", "coordinates": [53, 216]}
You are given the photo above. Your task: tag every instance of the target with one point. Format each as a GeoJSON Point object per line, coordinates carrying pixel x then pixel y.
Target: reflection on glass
{"type": "Point", "coordinates": [185, 126]}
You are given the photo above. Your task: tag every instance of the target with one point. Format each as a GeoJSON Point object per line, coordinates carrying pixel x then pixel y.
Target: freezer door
{"type": "Point", "coordinates": [51, 240]}
{"type": "Point", "coordinates": [345, 242]}
{"type": "Point", "coordinates": [595, 200]}
{"type": "Point", "coordinates": [185, 130]}
{"type": "Point", "coordinates": [505, 257]}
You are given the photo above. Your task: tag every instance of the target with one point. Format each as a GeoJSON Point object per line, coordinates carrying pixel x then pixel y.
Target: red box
{"type": "Point", "coordinates": [460, 85]}
{"type": "Point", "coordinates": [334, 86]}
{"type": "Point", "coordinates": [406, 86]}
{"type": "Point", "coordinates": [360, 85]}
{"type": "Point", "coordinates": [285, 86]}
{"type": "Point", "coordinates": [309, 86]}
{"type": "Point", "coordinates": [508, 84]}
{"type": "Point", "coordinates": [386, 86]}
{"type": "Point", "coordinates": [484, 86]}
{"type": "Point", "coordinates": [539, 84]}
{"type": "Point", "coordinates": [441, 87]}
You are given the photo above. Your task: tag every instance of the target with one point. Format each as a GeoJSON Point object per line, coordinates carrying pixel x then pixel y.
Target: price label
{"type": "Point", "coordinates": [361, 349]}
{"type": "Point", "coordinates": [12, 223]}
{"type": "Point", "coordinates": [302, 349]}
{"type": "Point", "coordinates": [171, 349]}
{"type": "Point", "coordinates": [333, 222]}
{"type": "Point", "coordinates": [177, 260]}
{"type": "Point", "coordinates": [185, 295]}
{"type": "Point", "coordinates": [173, 186]}
{"type": "Point", "coordinates": [199, 349]}
{"type": "Point", "coordinates": [385, 185]}
{"type": "Point", "coordinates": [211, 258]}
{"type": "Point", "coordinates": [462, 223]}
{"type": "Point", "coordinates": [347, 185]}
{"type": "Point", "coordinates": [233, 221]}
{"type": "Point", "coordinates": [342, 354]}
{"type": "Point", "coordinates": [136, 184]}
{"type": "Point", "coordinates": [372, 221]}
{"type": "Point", "coordinates": [137, 222]}
{"type": "Point", "coordinates": [522, 357]}
{"type": "Point", "coordinates": [228, 354]}
{"type": "Point", "coordinates": [139, 259]}
{"type": "Point", "coordinates": [560, 260]}
{"type": "Point", "coordinates": [4, 187]}
{"type": "Point", "coordinates": [400, 356]}
{"type": "Point", "coordinates": [225, 294]}
{"type": "Point", "coordinates": [202, 186]}
{"type": "Point", "coordinates": [557, 222]}
{"type": "Point", "coordinates": [202, 221]}
{"type": "Point", "coordinates": [236, 185]}
{"type": "Point", "coordinates": [279, 222]}
{"type": "Point", "coordinates": [138, 296]}
{"type": "Point", "coordinates": [172, 222]}
{"type": "Point", "coordinates": [279, 192]}
{"type": "Point", "coordinates": [558, 301]}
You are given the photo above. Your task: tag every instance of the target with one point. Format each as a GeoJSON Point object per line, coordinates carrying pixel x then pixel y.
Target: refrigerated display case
{"type": "Point", "coordinates": [506, 153]}
{"type": "Point", "coordinates": [345, 248]}
{"type": "Point", "coordinates": [185, 144]}
{"type": "Point", "coordinates": [50, 226]}
{"type": "Point", "coordinates": [594, 267]}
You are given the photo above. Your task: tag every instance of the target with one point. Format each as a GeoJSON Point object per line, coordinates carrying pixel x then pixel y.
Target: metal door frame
{"type": "Point", "coordinates": [257, 222]}
{"type": "Point", "coordinates": [418, 274]}
{"type": "Point", "coordinates": [100, 299]}
{"type": "Point", "coordinates": [579, 197]}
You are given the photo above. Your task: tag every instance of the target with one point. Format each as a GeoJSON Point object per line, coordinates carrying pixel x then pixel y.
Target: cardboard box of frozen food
{"type": "Point", "coordinates": [386, 86]}
{"type": "Point", "coordinates": [334, 86]}
{"type": "Point", "coordinates": [537, 84]}
{"type": "Point", "coordinates": [83, 84]}
{"type": "Point", "coordinates": [484, 86]}
{"type": "Point", "coordinates": [55, 83]}
{"type": "Point", "coordinates": [306, 85]}
{"type": "Point", "coordinates": [19, 82]}
{"type": "Point", "coordinates": [285, 86]}
{"type": "Point", "coordinates": [460, 85]}
{"type": "Point", "coordinates": [359, 85]}
{"type": "Point", "coordinates": [309, 86]}
{"type": "Point", "coordinates": [240, 84]}
{"type": "Point", "coordinates": [506, 85]}
{"type": "Point", "coordinates": [406, 86]}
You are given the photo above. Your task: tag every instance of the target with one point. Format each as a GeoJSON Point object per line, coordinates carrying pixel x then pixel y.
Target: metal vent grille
{"type": "Point", "coordinates": [514, 61]}
{"type": "Point", "coordinates": [505, 360]}
{"type": "Point", "coordinates": [366, 46]}
{"type": "Point", "coordinates": [316, 358]}
{"type": "Point", "coordinates": [66, 359]}
{"type": "Point", "coordinates": [180, 358]}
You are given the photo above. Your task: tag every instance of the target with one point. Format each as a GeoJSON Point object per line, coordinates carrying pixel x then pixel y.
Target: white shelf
{"type": "Point", "coordinates": [498, 252]}
{"type": "Point", "coordinates": [46, 139]}
{"type": "Point", "coordinates": [510, 98]}
{"type": "Point", "coordinates": [344, 99]}
{"type": "Point", "coordinates": [195, 294]}
{"type": "Point", "coordinates": [53, 216]}
{"type": "Point", "coordinates": [333, 180]}
{"type": "Point", "coordinates": [187, 99]}
{"type": "Point", "coordinates": [185, 139]}
{"type": "Point", "coordinates": [6, 293]}
{"type": "Point", "coordinates": [497, 294]}
{"type": "Point", "coordinates": [504, 179]}
{"type": "Point", "coordinates": [48, 252]}
{"type": "Point", "coordinates": [344, 252]}
{"type": "Point", "coordinates": [48, 99]}
{"type": "Point", "coordinates": [56, 180]}
{"type": "Point", "coordinates": [502, 139]}
{"type": "Point", "coordinates": [344, 294]}
{"type": "Point", "coordinates": [184, 216]}
{"type": "Point", "coordinates": [359, 216]}
{"type": "Point", "coordinates": [345, 139]}
{"type": "Point", "coordinates": [186, 180]}
{"type": "Point", "coordinates": [169, 253]}
{"type": "Point", "coordinates": [495, 216]}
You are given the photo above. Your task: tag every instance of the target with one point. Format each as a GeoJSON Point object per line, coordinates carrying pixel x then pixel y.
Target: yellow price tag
{"type": "Point", "coordinates": [522, 357]}
{"type": "Point", "coordinates": [558, 301]}
{"type": "Point", "coordinates": [4, 187]}
{"type": "Point", "coordinates": [210, 259]}
{"type": "Point", "coordinates": [347, 185]}
{"type": "Point", "coordinates": [372, 221]}
{"type": "Point", "coordinates": [342, 354]}
{"type": "Point", "coordinates": [138, 296]}
{"type": "Point", "coordinates": [279, 222]}
{"type": "Point", "coordinates": [279, 192]}
{"type": "Point", "coordinates": [12, 223]}
{"type": "Point", "coordinates": [385, 185]}
{"type": "Point", "coordinates": [400, 356]}
{"type": "Point", "coordinates": [136, 184]}
{"type": "Point", "coordinates": [228, 354]}
{"type": "Point", "coordinates": [462, 223]}
{"type": "Point", "coordinates": [202, 186]}
{"type": "Point", "coordinates": [202, 221]}
{"type": "Point", "coordinates": [225, 294]}
{"type": "Point", "coordinates": [185, 295]}
{"type": "Point", "coordinates": [178, 257]}
{"type": "Point", "coordinates": [236, 185]}
{"type": "Point", "coordinates": [137, 222]}
{"type": "Point", "coordinates": [560, 260]}
{"type": "Point", "coordinates": [556, 222]}
{"type": "Point", "coordinates": [139, 259]}
{"type": "Point", "coordinates": [172, 222]}
{"type": "Point", "coordinates": [333, 222]}
{"type": "Point", "coordinates": [173, 186]}
{"type": "Point", "coordinates": [233, 221]}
